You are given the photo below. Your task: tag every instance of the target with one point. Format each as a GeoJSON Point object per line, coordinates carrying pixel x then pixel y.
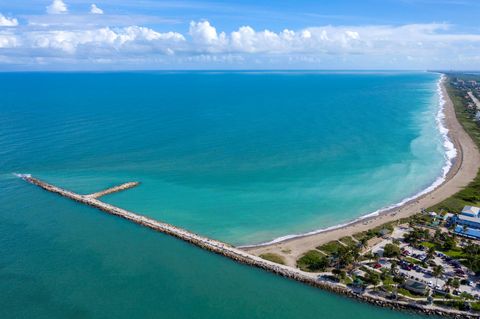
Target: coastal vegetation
{"type": "Point", "coordinates": [313, 261]}
{"type": "Point", "coordinates": [470, 195]}
{"type": "Point", "coordinates": [276, 258]}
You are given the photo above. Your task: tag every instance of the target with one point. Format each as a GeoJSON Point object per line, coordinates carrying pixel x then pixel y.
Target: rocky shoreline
{"type": "Point", "coordinates": [244, 257]}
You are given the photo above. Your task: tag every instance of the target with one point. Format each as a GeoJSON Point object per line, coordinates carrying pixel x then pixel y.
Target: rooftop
{"type": "Point", "coordinates": [471, 211]}
{"type": "Point", "coordinates": [468, 232]}
{"type": "Point", "coordinates": [469, 218]}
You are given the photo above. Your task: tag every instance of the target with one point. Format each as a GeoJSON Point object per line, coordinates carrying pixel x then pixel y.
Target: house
{"type": "Point", "coordinates": [470, 211]}
{"type": "Point", "coordinates": [468, 222]}
{"type": "Point", "coordinates": [463, 220]}
{"type": "Point", "coordinates": [415, 286]}
{"type": "Point", "coordinates": [467, 232]}
{"type": "Point", "coordinates": [447, 216]}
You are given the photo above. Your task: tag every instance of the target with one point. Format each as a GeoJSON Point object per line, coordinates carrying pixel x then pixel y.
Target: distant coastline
{"type": "Point", "coordinates": [461, 166]}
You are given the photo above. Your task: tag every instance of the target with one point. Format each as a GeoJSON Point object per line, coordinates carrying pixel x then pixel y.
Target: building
{"type": "Point", "coordinates": [463, 220]}
{"type": "Point", "coordinates": [470, 211]}
{"type": "Point", "coordinates": [468, 222]}
{"type": "Point", "coordinates": [473, 233]}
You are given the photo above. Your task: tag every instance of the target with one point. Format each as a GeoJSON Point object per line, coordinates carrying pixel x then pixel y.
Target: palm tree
{"type": "Point", "coordinates": [437, 272]}
{"type": "Point", "coordinates": [363, 242]}
{"type": "Point", "coordinates": [449, 283]}
{"type": "Point", "coordinates": [430, 253]}
{"type": "Point", "coordinates": [393, 267]}
{"type": "Point", "coordinates": [355, 252]}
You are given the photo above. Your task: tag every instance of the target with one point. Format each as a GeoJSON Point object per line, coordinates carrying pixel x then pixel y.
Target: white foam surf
{"type": "Point", "coordinates": [22, 176]}
{"type": "Point", "coordinates": [450, 155]}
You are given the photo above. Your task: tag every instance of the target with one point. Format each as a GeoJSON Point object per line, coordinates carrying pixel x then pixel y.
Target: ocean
{"type": "Point", "coordinates": [244, 157]}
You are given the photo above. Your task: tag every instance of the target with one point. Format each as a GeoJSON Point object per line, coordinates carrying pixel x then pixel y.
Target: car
{"type": "Point", "coordinates": [377, 266]}
{"type": "Point", "coordinates": [430, 284]}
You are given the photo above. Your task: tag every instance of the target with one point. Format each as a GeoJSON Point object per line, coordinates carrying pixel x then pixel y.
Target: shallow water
{"type": "Point", "coordinates": [237, 156]}
{"type": "Point", "coordinates": [241, 157]}
{"type": "Point", "coordinates": [59, 259]}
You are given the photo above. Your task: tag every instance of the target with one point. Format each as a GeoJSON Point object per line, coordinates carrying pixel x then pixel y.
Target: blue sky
{"type": "Point", "coordinates": [154, 34]}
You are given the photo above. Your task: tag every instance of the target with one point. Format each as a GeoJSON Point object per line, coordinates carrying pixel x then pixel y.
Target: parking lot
{"type": "Point", "coordinates": [410, 269]}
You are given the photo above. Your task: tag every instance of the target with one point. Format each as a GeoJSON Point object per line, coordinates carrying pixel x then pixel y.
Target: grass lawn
{"type": "Point", "coordinates": [330, 247]}
{"type": "Point", "coordinates": [347, 240]}
{"type": "Point", "coordinates": [407, 293]}
{"type": "Point", "coordinates": [389, 281]}
{"type": "Point", "coordinates": [413, 261]}
{"type": "Point", "coordinates": [273, 257]}
{"type": "Point", "coordinates": [475, 306]}
{"type": "Point", "coordinates": [428, 244]}
{"type": "Point", "coordinates": [347, 281]}
{"type": "Point", "coordinates": [454, 253]}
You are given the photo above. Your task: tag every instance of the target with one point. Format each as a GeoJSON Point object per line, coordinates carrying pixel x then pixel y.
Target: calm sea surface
{"type": "Point", "coordinates": [241, 157]}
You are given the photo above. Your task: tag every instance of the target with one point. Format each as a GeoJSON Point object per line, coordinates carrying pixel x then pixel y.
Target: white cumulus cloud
{"type": "Point", "coordinates": [57, 7]}
{"type": "Point", "coordinates": [95, 10]}
{"type": "Point", "coordinates": [375, 46]}
{"type": "Point", "coordinates": [104, 41]}
{"type": "Point", "coordinates": [7, 22]}
{"type": "Point", "coordinates": [205, 37]}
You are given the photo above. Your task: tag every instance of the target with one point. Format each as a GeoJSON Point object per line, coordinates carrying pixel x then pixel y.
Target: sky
{"type": "Point", "coordinates": [274, 34]}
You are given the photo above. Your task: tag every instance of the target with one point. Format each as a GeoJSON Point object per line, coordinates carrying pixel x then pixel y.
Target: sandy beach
{"type": "Point", "coordinates": [463, 171]}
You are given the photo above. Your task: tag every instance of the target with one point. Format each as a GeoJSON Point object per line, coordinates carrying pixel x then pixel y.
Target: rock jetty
{"type": "Point", "coordinates": [242, 256]}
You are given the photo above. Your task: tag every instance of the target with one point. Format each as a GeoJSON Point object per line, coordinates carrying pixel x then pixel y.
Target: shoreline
{"type": "Point", "coordinates": [451, 154]}
{"type": "Point", "coordinates": [241, 256]}
{"type": "Point", "coordinates": [463, 169]}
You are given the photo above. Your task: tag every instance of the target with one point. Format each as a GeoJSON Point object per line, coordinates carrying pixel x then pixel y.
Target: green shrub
{"type": "Point", "coordinates": [312, 261]}
{"type": "Point", "coordinates": [391, 250]}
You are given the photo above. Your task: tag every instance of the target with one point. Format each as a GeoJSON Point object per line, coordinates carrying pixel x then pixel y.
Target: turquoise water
{"type": "Point", "coordinates": [243, 157]}
{"type": "Point", "coordinates": [63, 260]}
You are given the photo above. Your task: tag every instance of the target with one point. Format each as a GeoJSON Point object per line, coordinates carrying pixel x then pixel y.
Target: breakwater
{"type": "Point", "coordinates": [115, 189]}
{"type": "Point", "coordinates": [242, 256]}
